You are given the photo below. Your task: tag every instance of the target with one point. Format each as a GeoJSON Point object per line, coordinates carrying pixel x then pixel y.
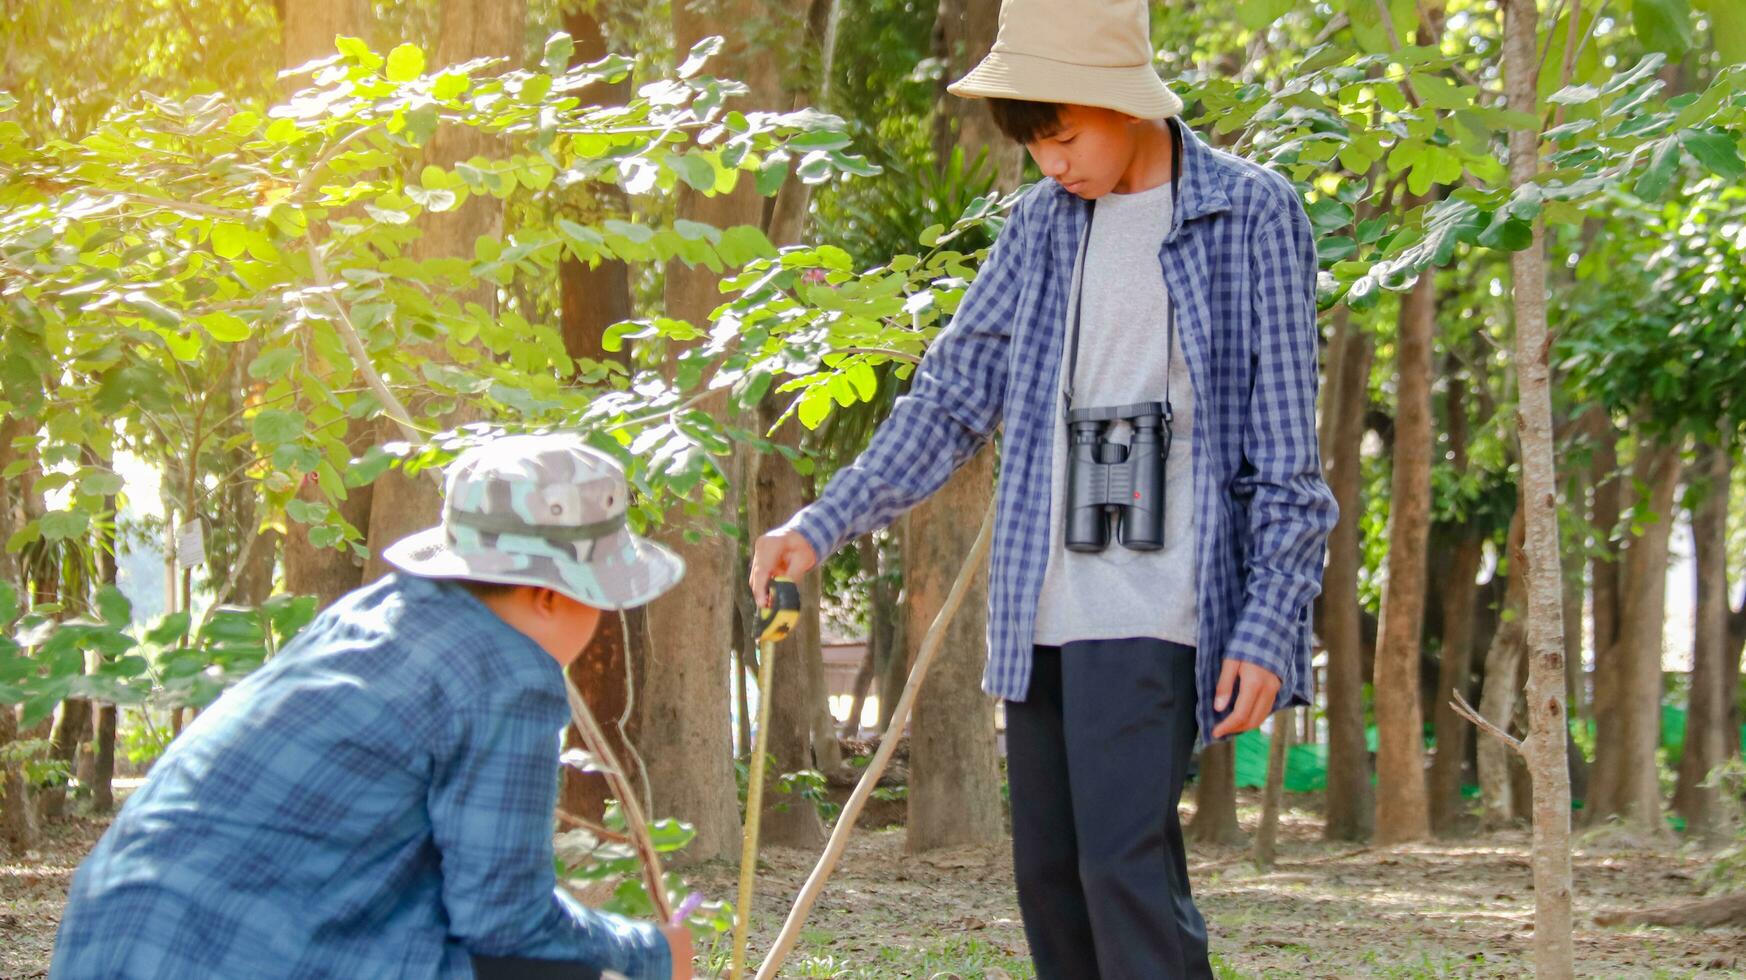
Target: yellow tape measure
{"type": "Point", "coordinates": [775, 622]}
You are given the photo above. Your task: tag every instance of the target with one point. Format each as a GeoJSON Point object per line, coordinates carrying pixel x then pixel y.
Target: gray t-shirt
{"type": "Point", "coordinates": [1119, 593]}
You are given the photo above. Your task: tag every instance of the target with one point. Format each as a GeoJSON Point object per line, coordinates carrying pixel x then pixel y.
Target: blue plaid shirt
{"type": "Point", "coordinates": [376, 801]}
{"type": "Point", "coordinates": [1239, 261]}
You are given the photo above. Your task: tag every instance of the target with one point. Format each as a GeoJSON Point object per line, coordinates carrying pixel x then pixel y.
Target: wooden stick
{"type": "Point", "coordinates": [833, 852]}
{"type": "Point", "coordinates": [1468, 712]}
{"type": "Point", "coordinates": [635, 823]}
{"type": "Point", "coordinates": [754, 813]}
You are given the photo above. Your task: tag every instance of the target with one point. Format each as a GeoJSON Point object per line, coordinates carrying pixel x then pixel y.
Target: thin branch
{"type": "Point", "coordinates": [1467, 711]}
{"type": "Point", "coordinates": [188, 207]}
{"type": "Point", "coordinates": [308, 182]}
{"type": "Point", "coordinates": [569, 819]}
{"type": "Point", "coordinates": [594, 740]}
{"type": "Point", "coordinates": [1406, 84]}
{"type": "Point", "coordinates": [881, 351]}
{"type": "Point", "coordinates": [391, 405]}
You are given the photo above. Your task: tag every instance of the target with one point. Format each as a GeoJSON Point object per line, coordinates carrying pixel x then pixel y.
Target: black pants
{"type": "Point", "coordinates": [1096, 755]}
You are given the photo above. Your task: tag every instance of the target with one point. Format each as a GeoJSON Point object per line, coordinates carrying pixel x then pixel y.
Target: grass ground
{"type": "Point", "coordinates": [1460, 908]}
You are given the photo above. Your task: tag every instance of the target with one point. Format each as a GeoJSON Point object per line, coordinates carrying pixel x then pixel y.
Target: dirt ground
{"type": "Point", "coordinates": [1445, 909]}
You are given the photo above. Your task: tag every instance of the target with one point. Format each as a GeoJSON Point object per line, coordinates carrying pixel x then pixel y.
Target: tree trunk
{"type": "Point", "coordinates": [1351, 809]}
{"type": "Point", "coordinates": [1401, 808]}
{"type": "Point", "coordinates": [954, 791]}
{"type": "Point", "coordinates": [1628, 683]}
{"type": "Point", "coordinates": [827, 752]}
{"type": "Point", "coordinates": [1215, 800]}
{"type": "Point", "coordinates": [878, 631]}
{"type": "Point", "coordinates": [1267, 834]}
{"type": "Point", "coordinates": [306, 32]}
{"type": "Point", "coordinates": [591, 299]}
{"type": "Point", "coordinates": [964, 30]}
{"type": "Point", "coordinates": [1540, 566]}
{"type": "Point", "coordinates": [18, 828]}
{"type": "Point", "coordinates": [893, 670]}
{"type": "Point", "coordinates": [72, 726]}
{"type": "Point", "coordinates": [307, 28]}
{"type": "Point", "coordinates": [789, 820]}
{"type": "Point", "coordinates": [1455, 673]}
{"type": "Point", "coordinates": [103, 761]}
{"type": "Point", "coordinates": [402, 504]}
{"type": "Point", "coordinates": [1706, 719]}
{"type": "Point", "coordinates": [684, 704]}
{"type": "Point", "coordinates": [1603, 568]}
{"type": "Point", "coordinates": [1497, 700]}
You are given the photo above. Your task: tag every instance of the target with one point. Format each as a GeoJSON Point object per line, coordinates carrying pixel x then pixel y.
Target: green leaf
{"type": "Point", "coordinates": [272, 365]}
{"type": "Point", "coordinates": [448, 85]}
{"type": "Point", "coordinates": [274, 426]}
{"type": "Point", "coordinates": [229, 239]}
{"type": "Point", "coordinates": [1663, 25]}
{"type": "Point", "coordinates": [101, 483]}
{"type": "Point", "coordinates": [63, 524]}
{"type": "Point", "coordinates": [1258, 15]}
{"type": "Point", "coordinates": [437, 199]}
{"type": "Point", "coordinates": [743, 243]}
{"type": "Point", "coordinates": [535, 88]}
{"type": "Point", "coordinates": [701, 52]}
{"type": "Point", "coordinates": [1728, 29]}
{"type": "Point", "coordinates": [224, 327]}
{"type": "Point", "coordinates": [1716, 151]}
{"type": "Point", "coordinates": [170, 629]}
{"type": "Point", "coordinates": [1574, 95]}
{"type": "Point", "coordinates": [405, 62]}
{"type": "Point", "coordinates": [113, 606]}
{"type": "Point", "coordinates": [559, 48]}
{"type": "Point", "coordinates": [356, 50]}
{"type": "Point", "coordinates": [695, 170]}
{"type": "Point", "coordinates": [1658, 175]}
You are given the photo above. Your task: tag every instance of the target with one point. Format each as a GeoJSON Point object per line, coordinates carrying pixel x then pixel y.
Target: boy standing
{"type": "Point", "coordinates": [1151, 300]}
{"type": "Point", "coordinates": [377, 800]}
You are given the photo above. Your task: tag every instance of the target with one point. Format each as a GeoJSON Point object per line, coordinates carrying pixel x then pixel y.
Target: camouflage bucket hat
{"type": "Point", "coordinates": [542, 510]}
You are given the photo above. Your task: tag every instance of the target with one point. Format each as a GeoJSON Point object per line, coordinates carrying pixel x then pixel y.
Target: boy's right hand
{"type": "Point", "coordinates": [679, 942]}
{"type": "Point", "coordinates": [779, 554]}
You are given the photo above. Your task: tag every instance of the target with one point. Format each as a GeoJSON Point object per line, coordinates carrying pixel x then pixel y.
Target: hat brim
{"type": "Point", "coordinates": [657, 569]}
{"type": "Point", "coordinates": [1134, 89]}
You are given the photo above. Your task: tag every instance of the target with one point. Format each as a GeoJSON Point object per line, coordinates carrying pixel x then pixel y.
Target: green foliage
{"type": "Point", "coordinates": [585, 858]}
{"type": "Point", "coordinates": [173, 662]}
{"type": "Point", "coordinates": [143, 253]}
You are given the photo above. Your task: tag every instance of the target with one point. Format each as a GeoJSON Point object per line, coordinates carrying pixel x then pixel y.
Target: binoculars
{"type": "Point", "coordinates": [1109, 482]}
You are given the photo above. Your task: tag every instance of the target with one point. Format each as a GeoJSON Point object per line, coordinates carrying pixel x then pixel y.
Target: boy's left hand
{"type": "Point", "coordinates": [1257, 687]}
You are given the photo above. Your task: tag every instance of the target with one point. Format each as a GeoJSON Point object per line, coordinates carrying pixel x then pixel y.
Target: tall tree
{"type": "Point", "coordinates": [954, 792]}
{"type": "Point", "coordinates": [1627, 690]}
{"type": "Point", "coordinates": [593, 296]}
{"type": "Point", "coordinates": [1401, 809]}
{"type": "Point", "coordinates": [684, 703]}
{"type": "Point", "coordinates": [1706, 719]}
{"type": "Point", "coordinates": [1460, 601]}
{"type": "Point", "coordinates": [306, 32]}
{"type": "Point", "coordinates": [1545, 744]}
{"type": "Point", "coordinates": [403, 503]}
{"type": "Point", "coordinates": [1351, 812]}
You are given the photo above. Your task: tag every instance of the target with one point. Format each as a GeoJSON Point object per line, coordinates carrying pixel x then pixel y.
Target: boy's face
{"type": "Point", "coordinates": [1089, 151]}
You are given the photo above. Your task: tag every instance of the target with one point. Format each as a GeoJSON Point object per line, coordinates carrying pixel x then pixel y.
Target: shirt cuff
{"type": "Point", "coordinates": [808, 522]}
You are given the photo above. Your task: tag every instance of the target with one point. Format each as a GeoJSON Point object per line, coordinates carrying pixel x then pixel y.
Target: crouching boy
{"type": "Point", "coordinates": [377, 800]}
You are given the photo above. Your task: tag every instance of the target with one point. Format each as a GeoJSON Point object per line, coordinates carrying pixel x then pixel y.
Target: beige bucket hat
{"type": "Point", "coordinates": [1077, 52]}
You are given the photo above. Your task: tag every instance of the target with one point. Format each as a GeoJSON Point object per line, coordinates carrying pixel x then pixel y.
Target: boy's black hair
{"type": "Point", "coordinates": [1024, 121]}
